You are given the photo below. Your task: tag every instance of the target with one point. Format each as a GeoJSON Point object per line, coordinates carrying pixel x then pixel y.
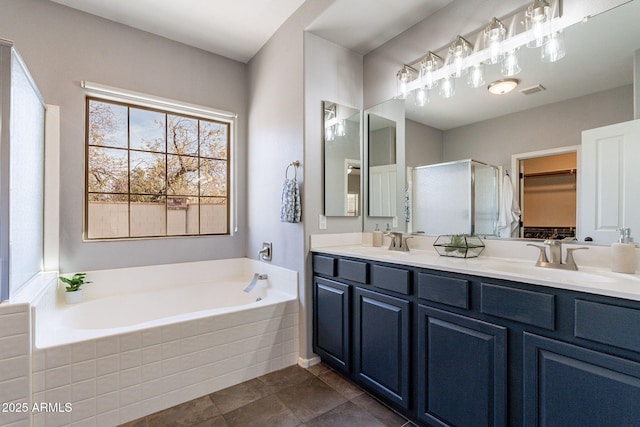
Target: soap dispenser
{"type": "Point", "coordinates": [377, 237]}
{"type": "Point", "coordinates": [623, 253]}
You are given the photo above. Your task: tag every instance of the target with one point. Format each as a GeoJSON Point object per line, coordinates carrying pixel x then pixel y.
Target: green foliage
{"type": "Point", "coordinates": [458, 242]}
{"type": "Point", "coordinates": [75, 282]}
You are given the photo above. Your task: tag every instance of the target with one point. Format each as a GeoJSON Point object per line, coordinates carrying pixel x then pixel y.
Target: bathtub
{"type": "Point", "coordinates": [147, 338]}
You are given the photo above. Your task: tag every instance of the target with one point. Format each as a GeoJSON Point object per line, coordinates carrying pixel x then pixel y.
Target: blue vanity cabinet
{"type": "Point", "coordinates": [331, 322]}
{"type": "Point", "coordinates": [566, 385]}
{"type": "Point", "coordinates": [462, 370]}
{"type": "Point", "coordinates": [382, 344]}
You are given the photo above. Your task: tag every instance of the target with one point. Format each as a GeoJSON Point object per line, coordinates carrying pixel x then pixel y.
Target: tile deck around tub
{"type": "Point", "coordinates": [293, 396]}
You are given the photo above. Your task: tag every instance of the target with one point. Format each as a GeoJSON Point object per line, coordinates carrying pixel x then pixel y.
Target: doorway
{"type": "Point", "coordinates": [547, 192]}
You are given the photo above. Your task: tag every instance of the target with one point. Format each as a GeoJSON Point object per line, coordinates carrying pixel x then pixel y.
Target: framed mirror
{"type": "Point", "coordinates": [342, 160]}
{"type": "Point", "coordinates": [550, 108]}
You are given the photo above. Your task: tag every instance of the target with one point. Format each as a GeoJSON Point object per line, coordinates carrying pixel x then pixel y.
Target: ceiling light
{"type": "Point", "coordinates": [510, 64]}
{"type": "Point", "coordinates": [447, 87]}
{"type": "Point", "coordinates": [476, 76]}
{"type": "Point", "coordinates": [406, 74]}
{"type": "Point", "coordinates": [537, 17]}
{"type": "Point", "coordinates": [553, 49]}
{"type": "Point", "coordinates": [422, 97]}
{"type": "Point", "coordinates": [459, 49]}
{"type": "Point", "coordinates": [501, 87]}
{"type": "Point", "coordinates": [494, 35]}
{"type": "Point", "coordinates": [428, 65]}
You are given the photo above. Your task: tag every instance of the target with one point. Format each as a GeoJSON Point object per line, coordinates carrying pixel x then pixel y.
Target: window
{"type": "Point", "coordinates": [154, 173]}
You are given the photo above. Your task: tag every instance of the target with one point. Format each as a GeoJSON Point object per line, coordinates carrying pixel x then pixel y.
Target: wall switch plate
{"type": "Point", "coordinates": [395, 222]}
{"type": "Point", "coordinates": [322, 222]}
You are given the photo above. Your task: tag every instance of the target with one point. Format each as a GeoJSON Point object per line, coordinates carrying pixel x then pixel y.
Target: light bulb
{"type": "Point", "coordinates": [422, 97]}
{"type": "Point", "coordinates": [553, 49]}
{"type": "Point", "coordinates": [537, 18]}
{"type": "Point", "coordinates": [510, 65]}
{"type": "Point", "coordinates": [476, 76]}
{"type": "Point", "coordinates": [494, 35]}
{"type": "Point", "coordinates": [447, 87]}
{"type": "Point", "coordinates": [340, 129]}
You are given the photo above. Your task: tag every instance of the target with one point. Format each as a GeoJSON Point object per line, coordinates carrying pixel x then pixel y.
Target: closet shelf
{"type": "Point", "coordinates": [552, 172]}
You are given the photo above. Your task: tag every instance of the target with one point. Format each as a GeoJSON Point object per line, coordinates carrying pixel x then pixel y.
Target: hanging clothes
{"type": "Point", "coordinates": [509, 212]}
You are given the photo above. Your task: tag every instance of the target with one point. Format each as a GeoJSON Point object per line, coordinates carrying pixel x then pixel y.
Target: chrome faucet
{"type": "Point", "coordinates": [265, 252]}
{"type": "Point", "coordinates": [555, 256]}
{"type": "Point", "coordinates": [398, 242]}
{"type": "Point", "coordinates": [254, 280]}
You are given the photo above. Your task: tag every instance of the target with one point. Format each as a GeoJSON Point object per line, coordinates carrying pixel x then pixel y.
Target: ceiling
{"type": "Point", "coordinates": [238, 29]}
{"type": "Point", "coordinates": [599, 57]}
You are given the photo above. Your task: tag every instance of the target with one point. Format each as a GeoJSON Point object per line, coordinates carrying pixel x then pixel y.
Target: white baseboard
{"type": "Point", "coordinates": [306, 363]}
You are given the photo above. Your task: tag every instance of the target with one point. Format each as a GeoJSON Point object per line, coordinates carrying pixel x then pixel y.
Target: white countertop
{"type": "Point", "coordinates": [594, 280]}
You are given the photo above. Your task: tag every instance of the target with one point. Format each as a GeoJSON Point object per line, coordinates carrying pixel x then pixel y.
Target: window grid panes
{"type": "Point", "coordinates": [151, 173]}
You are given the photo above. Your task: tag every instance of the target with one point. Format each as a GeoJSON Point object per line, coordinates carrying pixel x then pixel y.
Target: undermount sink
{"type": "Point", "coordinates": [551, 274]}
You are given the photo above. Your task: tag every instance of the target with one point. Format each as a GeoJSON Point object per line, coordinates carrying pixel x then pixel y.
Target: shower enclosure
{"type": "Point", "coordinates": [458, 197]}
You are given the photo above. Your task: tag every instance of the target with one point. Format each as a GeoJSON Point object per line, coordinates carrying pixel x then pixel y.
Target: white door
{"type": "Point", "coordinates": [609, 181]}
{"type": "Point", "coordinates": [382, 190]}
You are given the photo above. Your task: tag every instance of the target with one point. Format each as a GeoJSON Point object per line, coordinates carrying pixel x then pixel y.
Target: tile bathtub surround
{"type": "Point", "coordinates": [293, 396]}
{"type": "Point", "coordinates": [15, 362]}
{"type": "Point", "coordinates": [117, 379]}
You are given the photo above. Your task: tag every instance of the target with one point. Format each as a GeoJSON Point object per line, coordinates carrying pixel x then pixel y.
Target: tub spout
{"type": "Point", "coordinates": [256, 277]}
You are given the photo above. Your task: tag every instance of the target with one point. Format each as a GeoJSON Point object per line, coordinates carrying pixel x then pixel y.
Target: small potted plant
{"type": "Point", "coordinates": [73, 291]}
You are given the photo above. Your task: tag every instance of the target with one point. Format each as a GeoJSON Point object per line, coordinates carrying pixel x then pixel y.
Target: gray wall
{"type": "Point", "coordinates": [331, 73]}
{"type": "Point", "coordinates": [276, 138]}
{"type": "Point", "coordinates": [423, 144]}
{"type": "Point", "coordinates": [61, 47]}
{"type": "Point", "coordinates": [551, 126]}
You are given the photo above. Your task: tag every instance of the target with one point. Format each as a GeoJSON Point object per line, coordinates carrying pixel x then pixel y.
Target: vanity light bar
{"type": "Point", "coordinates": [557, 24]}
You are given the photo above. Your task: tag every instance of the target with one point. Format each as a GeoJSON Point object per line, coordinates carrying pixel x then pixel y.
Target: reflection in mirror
{"type": "Point", "coordinates": [455, 198]}
{"type": "Point", "coordinates": [382, 166]}
{"type": "Point", "coordinates": [386, 173]}
{"type": "Point", "coordinates": [341, 139]}
{"type": "Point", "coordinates": [551, 107]}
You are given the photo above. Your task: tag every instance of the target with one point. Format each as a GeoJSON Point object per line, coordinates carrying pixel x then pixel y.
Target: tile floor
{"type": "Point", "coordinates": [290, 397]}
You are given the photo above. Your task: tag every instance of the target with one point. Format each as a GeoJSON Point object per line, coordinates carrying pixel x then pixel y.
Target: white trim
{"type": "Point", "coordinates": [51, 258]}
{"type": "Point", "coordinates": [307, 363]}
{"type": "Point", "coordinates": [515, 173]}
{"type": "Point", "coordinates": [125, 95]}
{"type": "Point", "coordinates": [111, 93]}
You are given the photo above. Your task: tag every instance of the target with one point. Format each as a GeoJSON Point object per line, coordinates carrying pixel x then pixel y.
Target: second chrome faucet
{"type": "Point", "coordinates": [555, 255]}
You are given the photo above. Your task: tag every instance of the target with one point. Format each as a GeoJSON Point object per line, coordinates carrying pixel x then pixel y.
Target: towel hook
{"type": "Point", "coordinates": [295, 165]}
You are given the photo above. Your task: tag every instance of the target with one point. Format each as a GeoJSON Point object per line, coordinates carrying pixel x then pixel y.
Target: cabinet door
{"type": "Point", "coordinates": [331, 326]}
{"type": "Point", "coordinates": [568, 385]}
{"type": "Point", "coordinates": [462, 367]}
{"type": "Point", "coordinates": [382, 344]}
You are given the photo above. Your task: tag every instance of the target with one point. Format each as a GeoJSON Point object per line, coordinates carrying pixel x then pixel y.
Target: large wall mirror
{"type": "Point", "coordinates": [591, 87]}
{"type": "Point", "coordinates": [342, 161]}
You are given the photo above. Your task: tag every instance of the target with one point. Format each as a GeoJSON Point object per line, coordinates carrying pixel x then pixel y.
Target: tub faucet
{"type": "Point", "coordinates": [265, 253]}
{"type": "Point", "coordinates": [256, 277]}
{"type": "Point", "coordinates": [555, 256]}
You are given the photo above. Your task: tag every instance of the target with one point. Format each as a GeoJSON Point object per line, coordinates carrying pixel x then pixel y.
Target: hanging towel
{"type": "Point", "coordinates": [509, 216]}
{"type": "Point", "coordinates": [290, 210]}
{"type": "Point", "coordinates": [407, 205]}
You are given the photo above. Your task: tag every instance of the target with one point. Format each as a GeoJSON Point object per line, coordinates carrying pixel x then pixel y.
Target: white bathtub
{"type": "Point", "coordinates": [148, 338]}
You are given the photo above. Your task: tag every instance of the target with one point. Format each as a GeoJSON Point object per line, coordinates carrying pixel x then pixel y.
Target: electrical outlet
{"type": "Point", "coordinates": [322, 222]}
{"type": "Point", "coordinates": [395, 222]}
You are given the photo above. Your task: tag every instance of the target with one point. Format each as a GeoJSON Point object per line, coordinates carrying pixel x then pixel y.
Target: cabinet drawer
{"type": "Point", "coordinates": [445, 290]}
{"type": "Point", "coordinates": [391, 279]}
{"type": "Point", "coordinates": [356, 271]}
{"type": "Point", "coordinates": [324, 265]}
{"type": "Point", "coordinates": [608, 324]}
{"type": "Point", "coordinates": [531, 308]}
